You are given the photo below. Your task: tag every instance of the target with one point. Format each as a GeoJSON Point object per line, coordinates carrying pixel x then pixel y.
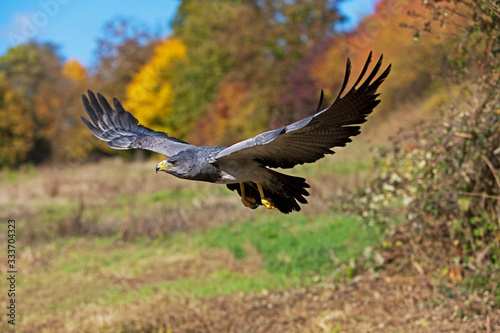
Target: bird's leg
{"type": "Point", "coordinates": [265, 201]}
{"type": "Point", "coordinates": [247, 201]}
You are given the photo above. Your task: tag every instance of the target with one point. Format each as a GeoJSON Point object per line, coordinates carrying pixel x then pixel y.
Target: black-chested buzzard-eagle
{"type": "Point", "coordinates": [246, 165]}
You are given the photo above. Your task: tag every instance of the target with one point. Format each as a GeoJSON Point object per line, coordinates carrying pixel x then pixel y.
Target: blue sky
{"type": "Point", "coordinates": [76, 25]}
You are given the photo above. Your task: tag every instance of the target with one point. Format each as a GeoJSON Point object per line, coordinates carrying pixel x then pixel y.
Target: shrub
{"type": "Point", "coordinates": [445, 175]}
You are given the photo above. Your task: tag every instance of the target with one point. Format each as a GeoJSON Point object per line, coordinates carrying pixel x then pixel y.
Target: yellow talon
{"type": "Point", "coordinates": [265, 201]}
{"type": "Point", "coordinates": [268, 203]}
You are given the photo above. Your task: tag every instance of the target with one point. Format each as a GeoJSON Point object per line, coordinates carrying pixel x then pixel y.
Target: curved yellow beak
{"type": "Point", "coordinates": [162, 166]}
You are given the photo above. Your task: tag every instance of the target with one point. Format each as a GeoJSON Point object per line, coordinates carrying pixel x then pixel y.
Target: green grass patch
{"type": "Point", "coordinates": [297, 245]}
{"type": "Point", "coordinates": [25, 172]}
{"type": "Point", "coordinates": [219, 282]}
{"type": "Point", "coordinates": [54, 212]}
{"type": "Point", "coordinates": [225, 282]}
{"type": "Point", "coordinates": [106, 271]}
{"type": "Point", "coordinates": [110, 256]}
{"type": "Point", "coordinates": [165, 197]}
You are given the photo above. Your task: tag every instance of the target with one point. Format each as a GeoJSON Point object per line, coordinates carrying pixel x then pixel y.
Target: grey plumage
{"type": "Point", "coordinates": [244, 166]}
{"type": "Point", "coordinates": [121, 130]}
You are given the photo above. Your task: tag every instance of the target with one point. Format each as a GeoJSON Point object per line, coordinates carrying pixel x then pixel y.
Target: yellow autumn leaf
{"type": "Point", "coordinates": [149, 95]}
{"type": "Point", "coordinates": [73, 70]}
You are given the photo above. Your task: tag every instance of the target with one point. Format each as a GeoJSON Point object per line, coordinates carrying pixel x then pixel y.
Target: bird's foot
{"type": "Point", "coordinates": [249, 202]}
{"type": "Point", "coordinates": [268, 203]}
{"type": "Point", "coordinates": [265, 201]}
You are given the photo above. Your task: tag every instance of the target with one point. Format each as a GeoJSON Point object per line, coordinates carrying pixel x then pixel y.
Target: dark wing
{"type": "Point", "coordinates": [310, 139]}
{"type": "Point", "coordinates": [121, 130]}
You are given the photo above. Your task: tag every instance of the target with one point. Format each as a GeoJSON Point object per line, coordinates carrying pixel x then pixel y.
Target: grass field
{"type": "Point", "coordinates": [113, 247]}
{"type": "Point", "coordinates": [98, 236]}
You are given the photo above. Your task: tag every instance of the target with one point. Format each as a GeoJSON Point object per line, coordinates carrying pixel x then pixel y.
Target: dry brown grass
{"type": "Point", "coordinates": [390, 303]}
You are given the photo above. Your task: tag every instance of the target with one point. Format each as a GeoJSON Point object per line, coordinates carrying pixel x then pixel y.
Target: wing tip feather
{"type": "Point", "coordinates": [119, 127]}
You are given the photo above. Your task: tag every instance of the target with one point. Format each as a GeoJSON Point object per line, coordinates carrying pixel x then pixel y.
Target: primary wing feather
{"type": "Point", "coordinates": [310, 139]}
{"type": "Point", "coordinates": [121, 130]}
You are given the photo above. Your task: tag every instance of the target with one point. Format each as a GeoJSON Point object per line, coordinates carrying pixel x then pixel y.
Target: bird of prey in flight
{"type": "Point", "coordinates": [247, 166]}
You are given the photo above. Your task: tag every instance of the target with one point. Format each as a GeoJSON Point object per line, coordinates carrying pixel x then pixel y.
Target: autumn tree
{"type": "Point", "coordinates": [149, 94]}
{"type": "Point", "coordinates": [42, 92]}
{"type": "Point", "coordinates": [16, 127]}
{"type": "Point", "coordinates": [73, 140]}
{"type": "Point", "coordinates": [33, 71]}
{"type": "Point", "coordinates": [74, 71]}
{"type": "Point", "coordinates": [124, 48]}
{"type": "Point", "coordinates": [302, 93]}
{"type": "Point", "coordinates": [419, 64]}
{"type": "Point", "coordinates": [252, 44]}
{"type": "Point", "coordinates": [207, 60]}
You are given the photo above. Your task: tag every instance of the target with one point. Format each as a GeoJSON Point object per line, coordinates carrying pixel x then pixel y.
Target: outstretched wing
{"type": "Point", "coordinates": [310, 139]}
{"type": "Point", "coordinates": [121, 130]}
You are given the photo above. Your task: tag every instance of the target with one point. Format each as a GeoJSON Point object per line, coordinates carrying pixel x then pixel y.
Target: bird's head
{"type": "Point", "coordinates": [167, 165]}
{"type": "Point", "coordinates": [188, 164]}
{"type": "Point", "coordinates": [179, 165]}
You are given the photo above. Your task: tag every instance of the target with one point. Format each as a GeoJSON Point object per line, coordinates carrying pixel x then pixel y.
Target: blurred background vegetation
{"type": "Point", "coordinates": [224, 77]}
{"type": "Point", "coordinates": [430, 202]}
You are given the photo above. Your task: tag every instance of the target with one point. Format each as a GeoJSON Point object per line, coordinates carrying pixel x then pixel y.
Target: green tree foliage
{"type": "Point", "coordinates": [196, 79]}
{"type": "Point", "coordinates": [124, 48]}
{"type": "Point", "coordinates": [254, 44]}
{"type": "Point", "coordinates": [26, 67]}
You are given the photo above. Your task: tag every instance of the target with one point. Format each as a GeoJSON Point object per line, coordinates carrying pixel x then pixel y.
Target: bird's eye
{"type": "Point", "coordinates": [173, 163]}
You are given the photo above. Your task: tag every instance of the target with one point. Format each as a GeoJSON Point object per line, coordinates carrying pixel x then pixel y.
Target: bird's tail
{"type": "Point", "coordinates": [286, 190]}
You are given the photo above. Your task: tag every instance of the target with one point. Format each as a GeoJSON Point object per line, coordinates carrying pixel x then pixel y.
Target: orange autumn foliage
{"type": "Point", "coordinates": [416, 60]}
{"type": "Point", "coordinates": [217, 125]}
